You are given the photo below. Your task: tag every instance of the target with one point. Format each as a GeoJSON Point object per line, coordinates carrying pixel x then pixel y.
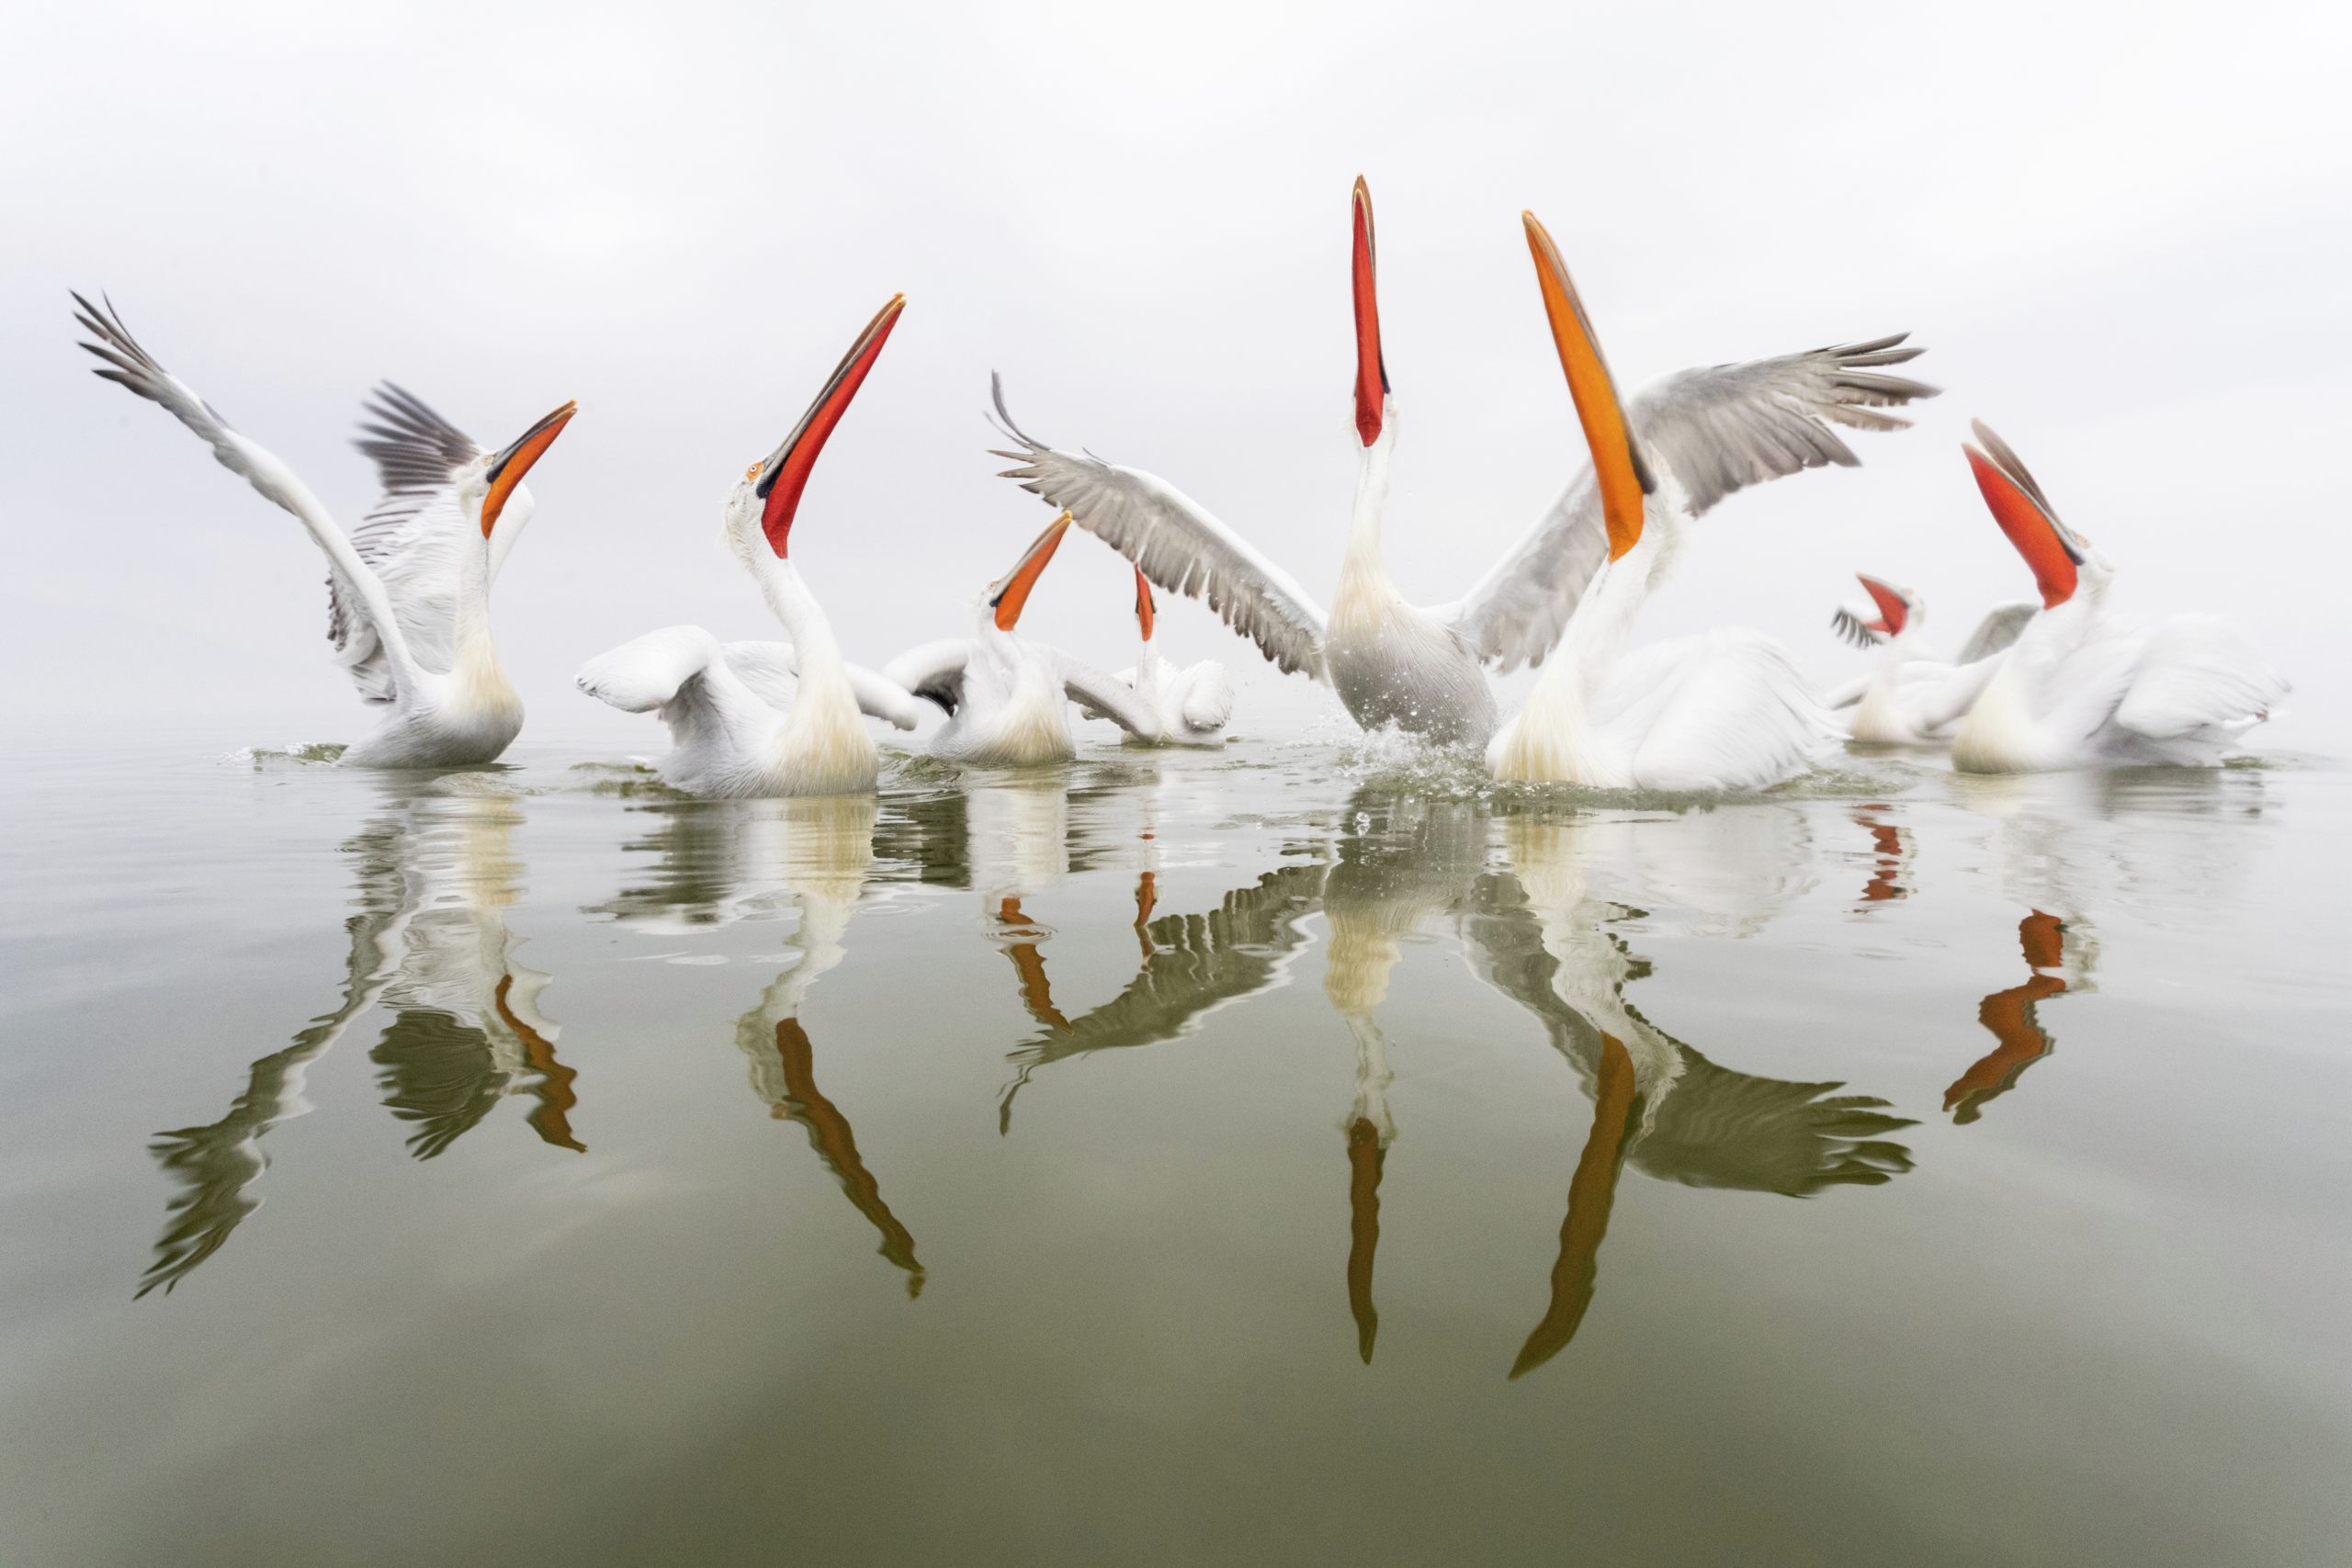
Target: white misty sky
{"type": "Point", "coordinates": [2122, 232]}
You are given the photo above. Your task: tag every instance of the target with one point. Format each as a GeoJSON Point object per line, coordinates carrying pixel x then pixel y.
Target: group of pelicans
{"type": "Point", "coordinates": [2056, 683]}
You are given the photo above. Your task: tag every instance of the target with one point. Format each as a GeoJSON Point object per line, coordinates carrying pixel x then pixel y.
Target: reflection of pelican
{"type": "Point", "coordinates": [1912, 697]}
{"type": "Point", "coordinates": [729, 859]}
{"type": "Point", "coordinates": [2013, 1019]}
{"type": "Point", "coordinates": [1191, 966]}
{"type": "Point", "coordinates": [1420, 865]}
{"type": "Point", "coordinates": [1540, 939]}
{"type": "Point", "coordinates": [430, 942]}
{"type": "Point", "coordinates": [1890, 855]}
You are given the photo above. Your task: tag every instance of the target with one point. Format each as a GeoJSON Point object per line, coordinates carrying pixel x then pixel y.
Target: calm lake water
{"type": "Point", "coordinates": [1301, 1154]}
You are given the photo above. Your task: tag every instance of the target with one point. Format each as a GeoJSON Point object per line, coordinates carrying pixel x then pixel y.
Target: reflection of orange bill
{"type": "Point", "coordinates": [1592, 1190]}
{"type": "Point", "coordinates": [830, 1135]}
{"type": "Point", "coordinates": [1366, 1158]}
{"type": "Point", "coordinates": [2009, 1015]}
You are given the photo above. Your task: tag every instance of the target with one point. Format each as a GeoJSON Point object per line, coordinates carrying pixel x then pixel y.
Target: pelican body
{"type": "Point", "coordinates": [1724, 710]}
{"type": "Point", "coordinates": [2082, 688]}
{"type": "Point", "coordinates": [408, 592]}
{"type": "Point", "coordinates": [1422, 669]}
{"type": "Point", "coordinates": [1007, 699]}
{"type": "Point", "coordinates": [766, 719]}
{"type": "Point", "coordinates": [1186, 706]}
{"type": "Point", "coordinates": [1913, 696]}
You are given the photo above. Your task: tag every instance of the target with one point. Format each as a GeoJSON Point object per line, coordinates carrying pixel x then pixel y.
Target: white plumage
{"type": "Point", "coordinates": [1709, 431]}
{"type": "Point", "coordinates": [2085, 688]}
{"type": "Point", "coordinates": [755, 719]}
{"type": "Point", "coordinates": [409, 591]}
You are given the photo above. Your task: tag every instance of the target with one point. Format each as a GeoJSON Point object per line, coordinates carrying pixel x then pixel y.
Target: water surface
{"type": "Point", "coordinates": [1299, 1153]}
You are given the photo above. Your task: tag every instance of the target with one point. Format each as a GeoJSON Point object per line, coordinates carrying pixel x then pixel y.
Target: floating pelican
{"type": "Point", "coordinates": [1187, 707]}
{"type": "Point", "coordinates": [1007, 699]}
{"type": "Point", "coordinates": [2082, 688]}
{"type": "Point", "coordinates": [1913, 697]}
{"type": "Point", "coordinates": [1707, 432]}
{"type": "Point", "coordinates": [766, 718]}
{"type": "Point", "coordinates": [408, 593]}
{"type": "Point", "coordinates": [1725, 709]}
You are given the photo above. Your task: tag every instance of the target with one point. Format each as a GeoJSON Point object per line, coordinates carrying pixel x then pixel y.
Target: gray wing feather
{"type": "Point", "coordinates": [351, 629]}
{"type": "Point", "coordinates": [1713, 431]}
{"type": "Point", "coordinates": [1176, 543]}
{"type": "Point", "coordinates": [2001, 626]}
{"type": "Point", "coordinates": [1850, 626]}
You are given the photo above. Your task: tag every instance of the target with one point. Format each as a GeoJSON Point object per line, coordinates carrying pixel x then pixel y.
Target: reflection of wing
{"type": "Point", "coordinates": [1198, 964]}
{"type": "Point", "coordinates": [1720, 1128]}
{"type": "Point", "coordinates": [216, 1164]}
{"type": "Point", "coordinates": [1708, 1126]}
{"type": "Point", "coordinates": [437, 1071]}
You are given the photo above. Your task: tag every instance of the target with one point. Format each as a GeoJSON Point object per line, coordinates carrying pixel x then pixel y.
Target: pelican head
{"type": "Point", "coordinates": [763, 502]}
{"type": "Point", "coordinates": [1897, 607]}
{"type": "Point", "coordinates": [497, 477]}
{"type": "Point", "coordinates": [1372, 367]}
{"type": "Point", "coordinates": [1625, 482]}
{"type": "Point", "coordinates": [2058, 557]}
{"type": "Point", "coordinates": [1009, 594]}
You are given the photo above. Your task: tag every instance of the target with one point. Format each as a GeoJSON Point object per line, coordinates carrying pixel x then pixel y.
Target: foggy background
{"type": "Point", "coordinates": [2121, 233]}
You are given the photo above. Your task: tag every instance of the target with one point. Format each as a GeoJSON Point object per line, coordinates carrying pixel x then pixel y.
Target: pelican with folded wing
{"type": "Point", "coordinates": [1007, 699]}
{"type": "Point", "coordinates": [2084, 688]}
{"type": "Point", "coordinates": [1914, 696]}
{"type": "Point", "coordinates": [766, 718]}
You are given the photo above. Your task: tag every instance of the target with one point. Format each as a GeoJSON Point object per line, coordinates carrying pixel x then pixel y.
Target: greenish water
{"type": "Point", "coordinates": [1296, 1154]}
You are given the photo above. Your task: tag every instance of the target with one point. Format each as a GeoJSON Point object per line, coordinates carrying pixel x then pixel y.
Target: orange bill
{"type": "Point", "coordinates": [786, 473]}
{"type": "Point", "coordinates": [1372, 367]}
{"type": "Point", "coordinates": [1143, 604]}
{"type": "Point", "coordinates": [2037, 535]}
{"type": "Point", "coordinates": [1893, 610]}
{"type": "Point", "coordinates": [1009, 594]}
{"type": "Point", "coordinates": [1624, 482]}
{"type": "Point", "coordinates": [506, 469]}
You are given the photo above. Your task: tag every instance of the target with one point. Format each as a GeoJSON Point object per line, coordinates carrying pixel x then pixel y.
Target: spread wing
{"type": "Point", "coordinates": [769, 670]}
{"type": "Point", "coordinates": [1713, 431]}
{"type": "Point", "coordinates": [413, 537]}
{"type": "Point", "coordinates": [2196, 674]}
{"type": "Point", "coordinates": [1176, 543]}
{"type": "Point", "coordinates": [934, 671]}
{"type": "Point", "coordinates": [362, 610]}
{"type": "Point", "coordinates": [2001, 625]}
{"type": "Point", "coordinates": [1848, 624]}
{"type": "Point", "coordinates": [1100, 695]}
